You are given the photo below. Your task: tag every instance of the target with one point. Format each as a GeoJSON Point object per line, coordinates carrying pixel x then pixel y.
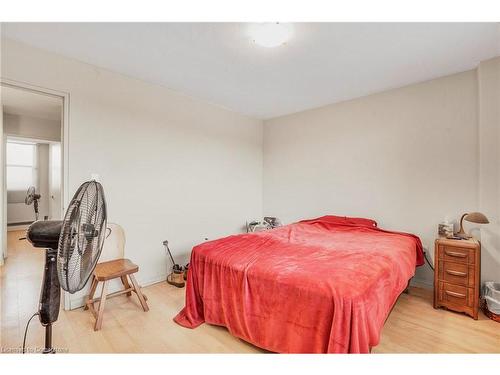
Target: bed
{"type": "Point", "coordinates": [323, 285]}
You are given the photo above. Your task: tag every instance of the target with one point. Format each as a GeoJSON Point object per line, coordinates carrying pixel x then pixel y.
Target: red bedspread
{"type": "Point", "coordinates": [318, 286]}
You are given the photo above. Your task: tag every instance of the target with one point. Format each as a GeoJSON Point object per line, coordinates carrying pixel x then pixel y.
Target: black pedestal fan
{"type": "Point", "coordinates": [32, 198]}
{"type": "Point", "coordinates": [73, 247]}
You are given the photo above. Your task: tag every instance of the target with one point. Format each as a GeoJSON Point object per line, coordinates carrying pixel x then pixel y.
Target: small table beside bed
{"type": "Point", "coordinates": [324, 285]}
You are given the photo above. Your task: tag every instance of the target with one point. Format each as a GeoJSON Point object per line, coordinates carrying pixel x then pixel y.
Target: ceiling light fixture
{"type": "Point", "coordinates": [271, 34]}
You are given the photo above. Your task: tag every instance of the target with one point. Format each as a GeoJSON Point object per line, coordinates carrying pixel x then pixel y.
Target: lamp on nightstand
{"type": "Point", "coordinates": [473, 217]}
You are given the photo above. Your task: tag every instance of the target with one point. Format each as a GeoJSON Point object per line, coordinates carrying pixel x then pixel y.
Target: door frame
{"type": "Point", "coordinates": [65, 96]}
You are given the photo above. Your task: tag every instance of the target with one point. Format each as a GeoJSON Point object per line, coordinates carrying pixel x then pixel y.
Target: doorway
{"type": "Point", "coordinates": [32, 124]}
{"type": "Point", "coordinates": [33, 180]}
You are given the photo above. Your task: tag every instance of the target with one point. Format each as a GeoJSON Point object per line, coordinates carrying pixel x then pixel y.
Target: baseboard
{"type": "Point", "coordinates": [20, 223]}
{"type": "Point", "coordinates": [16, 227]}
{"type": "Point", "coordinates": [421, 283]}
{"type": "Point", "coordinates": [153, 280]}
{"type": "Point", "coordinates": [80, 301]}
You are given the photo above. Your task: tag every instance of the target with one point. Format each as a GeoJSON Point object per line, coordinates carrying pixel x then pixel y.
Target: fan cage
{"type": "Point", "coordinates": [82, 236]}
{"type": "Point", "coordinates": [30, 195]}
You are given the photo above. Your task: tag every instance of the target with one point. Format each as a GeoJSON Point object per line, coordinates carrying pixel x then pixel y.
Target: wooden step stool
{"type": "Point", "coordinates": [113, 269]}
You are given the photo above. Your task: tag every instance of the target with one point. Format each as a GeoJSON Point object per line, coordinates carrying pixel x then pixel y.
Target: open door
{"type": "Point", "coordinates": [55, 173]}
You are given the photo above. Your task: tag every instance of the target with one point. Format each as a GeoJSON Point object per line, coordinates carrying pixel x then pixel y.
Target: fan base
{"type": "Point", "coordinates": [48, 340]}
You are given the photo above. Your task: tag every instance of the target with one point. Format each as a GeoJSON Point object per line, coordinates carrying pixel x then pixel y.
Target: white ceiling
{"type": "Point", "coordinates": [27, 103]}
{"type": "Point", "coordinates": [323, 63]}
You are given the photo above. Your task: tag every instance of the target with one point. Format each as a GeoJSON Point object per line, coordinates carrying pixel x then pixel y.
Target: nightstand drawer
{"type": "Point", "coordinates": [455, 295]}
{"type": "Point", "coordinates": [456, 254]}
{"type": "Point", "coordinates": [457, 273]}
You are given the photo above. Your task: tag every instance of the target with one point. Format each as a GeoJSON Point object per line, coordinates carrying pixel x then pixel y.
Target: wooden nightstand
{"type": "Point", "coordinates": [457, 275]}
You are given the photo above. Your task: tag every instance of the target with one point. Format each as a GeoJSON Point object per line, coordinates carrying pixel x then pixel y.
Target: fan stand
{"type": "Point", "coordinates": [35, 206]}
{"type": "Point", "coordinates": [57, 238]}
{"type": "Point", "coordinates": [49, 298]}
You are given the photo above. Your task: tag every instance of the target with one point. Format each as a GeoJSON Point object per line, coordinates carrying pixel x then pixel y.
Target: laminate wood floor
{"type": "Point", "coordinates": [413, 326]}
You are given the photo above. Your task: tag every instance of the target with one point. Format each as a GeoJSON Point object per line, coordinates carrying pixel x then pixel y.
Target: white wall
{"type": "Point", "coordinates": [406, 158]}
{"type": "Point", "coordinates": [32, 127]}
{"type": "Point", "coordinates": [489, 165]}
{"type": "Point", "coordinates": [3, 198]}
{"type": "Point", "coordinates": [173, 167]}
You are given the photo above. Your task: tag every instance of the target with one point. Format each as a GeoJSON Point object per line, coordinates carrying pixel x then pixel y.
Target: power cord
{"type": "Point", "coordinates": [427, 260]}
{"type": "Point", "coordinates": [26, 331]}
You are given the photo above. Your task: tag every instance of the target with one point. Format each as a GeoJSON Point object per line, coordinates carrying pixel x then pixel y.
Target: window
{"type": "Point", "coordinates": [21, 166]}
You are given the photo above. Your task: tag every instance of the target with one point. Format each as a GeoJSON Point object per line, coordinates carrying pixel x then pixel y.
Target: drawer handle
{"type": "Point", "coordinates": [455, 254]}
{"type": "Point", "coordinates": [456, 273]}
{"type": "Point", "coordinates": [455, 294]}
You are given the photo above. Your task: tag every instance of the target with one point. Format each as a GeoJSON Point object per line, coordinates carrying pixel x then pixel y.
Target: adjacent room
{"type": "Point", "coordinates": [32, 136]}
{"type": "Point", "coordinates": [250, 187]}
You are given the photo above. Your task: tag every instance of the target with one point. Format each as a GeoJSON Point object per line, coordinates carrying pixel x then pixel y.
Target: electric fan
{"type": "Point", "coordinates": [73, 247]}
{"type": "Point", "coordinates": [32, 197]}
